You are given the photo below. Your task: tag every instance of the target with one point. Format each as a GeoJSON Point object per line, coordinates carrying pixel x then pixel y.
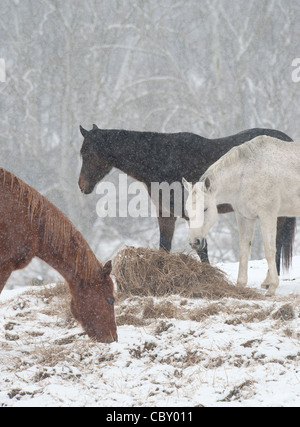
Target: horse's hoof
{"type": "Point", "coordinates": [241, 285]}
{"type": "Point", "coordinates": [271, 293]}
{"type": "Point", "coordinates": [265, 286]}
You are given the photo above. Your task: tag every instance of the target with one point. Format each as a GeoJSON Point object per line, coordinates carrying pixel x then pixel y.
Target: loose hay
{"type": "Point", "coordinates": [146, 272]}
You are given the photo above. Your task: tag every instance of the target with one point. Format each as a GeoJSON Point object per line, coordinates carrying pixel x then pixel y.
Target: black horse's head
{"type": "Point", "coordinates": [94, 167]}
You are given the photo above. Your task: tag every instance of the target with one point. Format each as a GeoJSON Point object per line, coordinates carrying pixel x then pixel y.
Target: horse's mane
{"type": "Point", "coordinates": [240, 152]}
{"type": "Point", "coordinates": [58, 231]}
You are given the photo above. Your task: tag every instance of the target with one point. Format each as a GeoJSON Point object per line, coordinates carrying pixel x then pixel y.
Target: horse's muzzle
{"type": "Point", "coordinates": [84, 186]}
{"type": "Point", "coordinates": [198, 244]}
{"type": "Point", "coordinates": [106, 340]}
{"type": "Point", "coordinates": [111, 340]}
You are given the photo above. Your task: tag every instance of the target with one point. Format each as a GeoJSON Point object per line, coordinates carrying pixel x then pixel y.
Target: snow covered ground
{"type": "Point", "coordinates": [171, 351]}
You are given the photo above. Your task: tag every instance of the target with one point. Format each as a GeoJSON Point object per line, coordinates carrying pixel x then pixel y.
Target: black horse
{"type": "Point", "coordinates": [158, 157]}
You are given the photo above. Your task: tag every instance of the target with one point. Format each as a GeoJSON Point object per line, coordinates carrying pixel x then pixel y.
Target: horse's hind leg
{"type": "Point", "coordinates": [268, 231]}
{"type": "Point", "coordinates": [246, 230]}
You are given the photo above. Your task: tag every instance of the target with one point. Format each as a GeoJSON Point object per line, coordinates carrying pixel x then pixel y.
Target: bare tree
{"type": "Point", "coordinates": [206, 66]}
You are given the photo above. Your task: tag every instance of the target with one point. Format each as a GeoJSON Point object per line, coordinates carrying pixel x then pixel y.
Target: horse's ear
{"type": "Point", "coordinates": [207, 184]}
{"type": "Point", "coordinates": [107, 268]}
{"type": "Point", "coordinates": [187, 185]}
{"type": "Point", "coordinates": [84, 132]}
{"type": "Point", "coordinates": [95, 127]}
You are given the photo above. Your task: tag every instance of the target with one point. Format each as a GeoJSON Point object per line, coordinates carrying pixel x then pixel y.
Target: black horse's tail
{"type": "Point", "coordinates": [287, 241]}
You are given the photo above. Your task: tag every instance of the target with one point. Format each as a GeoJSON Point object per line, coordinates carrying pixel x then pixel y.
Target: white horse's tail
{"type": "Point", "coordinates": [287, 241]}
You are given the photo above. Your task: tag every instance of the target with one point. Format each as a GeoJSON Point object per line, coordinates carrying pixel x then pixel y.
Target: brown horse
{"type": "Point", "coordinates": [32, 226]}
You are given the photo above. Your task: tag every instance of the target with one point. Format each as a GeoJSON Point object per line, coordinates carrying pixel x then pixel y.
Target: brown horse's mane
{"type": "Point", "coordinates": [59, 234]}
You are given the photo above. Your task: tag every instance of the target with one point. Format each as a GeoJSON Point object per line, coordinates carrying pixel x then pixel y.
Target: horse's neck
{"type": "Point", "coordinates": [71, 257]}
{"type": "Point", "coordinates": [128, 155]}
{"type": "Point", "coordinates": [226, 183]}
{"type": "Point", "coordinates": [64, 265]}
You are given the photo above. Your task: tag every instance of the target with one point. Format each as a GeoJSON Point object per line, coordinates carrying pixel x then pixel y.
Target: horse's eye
{"type": "Point", "coordinates": [205, 209]}
{"type": "Point", "coordinates": [110, 301]}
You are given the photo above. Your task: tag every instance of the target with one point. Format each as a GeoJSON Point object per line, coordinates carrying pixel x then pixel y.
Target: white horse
{"type": "Point", "coordinates": [260, 180]}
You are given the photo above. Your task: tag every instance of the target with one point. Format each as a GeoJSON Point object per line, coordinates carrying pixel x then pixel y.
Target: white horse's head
{"type": "Point", "coordinates": [202, 211]}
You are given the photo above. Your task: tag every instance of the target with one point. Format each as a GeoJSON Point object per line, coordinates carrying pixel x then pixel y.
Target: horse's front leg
{"type": "Point", "coordinates": [166, 228]}
{"type": "Point", "coordinates": [246, 230]}
{"type": "Point", "coordinates": [203, 254]}
{"type": "Point", "coordinates": [268, 231]}
{"type": "Point", "coordinates": [166, 221]}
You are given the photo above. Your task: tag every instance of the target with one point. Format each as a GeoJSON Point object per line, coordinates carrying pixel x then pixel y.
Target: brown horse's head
{"type": "Point", "coordinates": [93, 306]}
{"type": "Point", "coordinates": [94, 168]}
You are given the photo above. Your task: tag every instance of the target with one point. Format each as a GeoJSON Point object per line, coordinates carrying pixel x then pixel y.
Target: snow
{"type": "Point", "coordinates": [239, 354]}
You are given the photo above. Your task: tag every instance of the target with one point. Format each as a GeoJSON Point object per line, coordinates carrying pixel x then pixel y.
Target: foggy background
{"type": "Point", "coordinates": [212, 67]}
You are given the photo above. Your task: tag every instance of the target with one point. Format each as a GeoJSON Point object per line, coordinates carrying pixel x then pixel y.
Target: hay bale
{"type": "Point", "coordinates": [146, 272]}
